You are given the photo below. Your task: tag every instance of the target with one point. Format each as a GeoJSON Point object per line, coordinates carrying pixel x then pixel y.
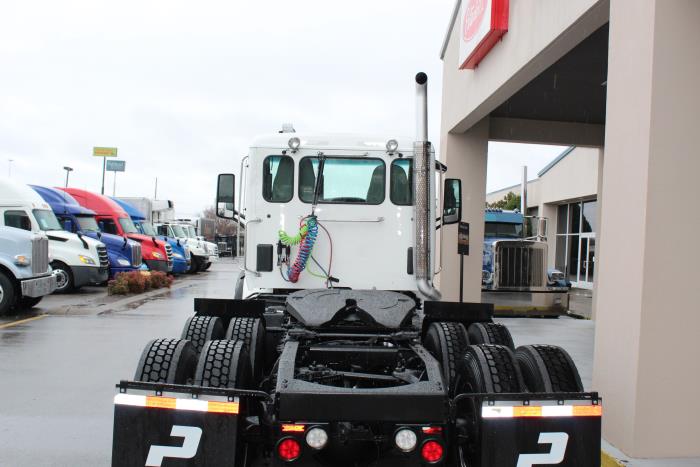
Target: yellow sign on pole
{"type": "Point", "coordinates": [104, 152]}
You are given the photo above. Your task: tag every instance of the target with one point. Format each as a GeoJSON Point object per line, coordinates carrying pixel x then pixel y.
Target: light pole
{"type": "Point", "coordinates": [9, 167]}
{"type": "Point", "coordinates": [68, 171]}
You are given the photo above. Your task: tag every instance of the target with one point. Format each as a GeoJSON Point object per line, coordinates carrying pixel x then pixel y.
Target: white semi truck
{"type": "Point", "coordinates": [25, 274]}
{"type": "Point", "coordinates": [76, 260]}
{"type": "Point", "coordinates": [337, 349]}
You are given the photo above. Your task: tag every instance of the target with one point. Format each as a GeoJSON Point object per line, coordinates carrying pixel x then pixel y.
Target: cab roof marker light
{"type": "Point", "coordinates": [196, 405]}
{"type": "Point", "coordinates": [391, 146]}
{"type": "Point", "coordinates": [294, 143]}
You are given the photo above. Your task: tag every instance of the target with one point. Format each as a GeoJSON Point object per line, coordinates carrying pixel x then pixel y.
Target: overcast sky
{"type": "Point", "coordinates": [182, 87]}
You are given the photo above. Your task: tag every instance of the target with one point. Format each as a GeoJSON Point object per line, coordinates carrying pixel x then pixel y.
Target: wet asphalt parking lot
{"type": "Point", "coordinates": [59, 364]}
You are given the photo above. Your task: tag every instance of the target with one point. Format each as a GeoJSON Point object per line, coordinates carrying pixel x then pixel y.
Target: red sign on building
{"type": "Point", "coordinates": [482, 23]}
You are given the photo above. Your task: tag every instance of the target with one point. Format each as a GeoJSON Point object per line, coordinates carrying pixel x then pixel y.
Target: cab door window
{"type": "Point", "coordinates": [108, 226]}
{"type": "Point", "coordinates": [18, 220]}
{"type": "Point", "coordinates": [278, 179]}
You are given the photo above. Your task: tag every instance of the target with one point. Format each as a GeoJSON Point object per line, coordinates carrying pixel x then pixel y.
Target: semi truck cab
{"type": "Point", "coordinates": [198, 254]}
{"type": "Point", "coordinates": [515, 276]}
{"type": "Point", "coordinates": [111, 218]}
{"type": "Point", "coordinates": [124, 254]}
{"type": "Point", "coordinates": [181, 253]}
{"type": "Point", "coordinates": [77, 259]}
{"type": "Point", "coordinates": [25, 273]}
{"type": "Point", "coordinates": [210, 248]}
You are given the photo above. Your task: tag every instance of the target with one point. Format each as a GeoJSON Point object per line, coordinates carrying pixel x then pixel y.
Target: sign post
{"type": "Point", "coordinates": [115, 166]}
{"type": "Point", "coordinates": [462, 249]}
{"type": "Point", "coordinates": [104, 153]}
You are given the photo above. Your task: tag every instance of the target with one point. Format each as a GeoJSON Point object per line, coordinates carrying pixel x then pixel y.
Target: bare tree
{"type": "Point", "coordinates": [221, 226]}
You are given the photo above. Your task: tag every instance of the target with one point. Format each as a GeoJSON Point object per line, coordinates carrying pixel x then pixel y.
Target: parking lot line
{"type": "Point", "coordinates": [22, 321]}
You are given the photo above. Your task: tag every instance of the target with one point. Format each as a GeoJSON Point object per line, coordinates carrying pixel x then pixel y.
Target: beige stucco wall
{"type": "Point", "coordinates": [647, 363]}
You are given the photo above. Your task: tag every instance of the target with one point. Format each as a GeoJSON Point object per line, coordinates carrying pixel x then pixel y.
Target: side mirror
{"type": "Point", "coordinates": [225, 189]}
{"type": "Point", "coordinates": [452, 201]}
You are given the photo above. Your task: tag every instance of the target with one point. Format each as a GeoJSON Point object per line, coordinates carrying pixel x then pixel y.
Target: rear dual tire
{"type": "Point", "coordinates": [200, 329]}
{"type": "Point", "coordinates": [548, 368]}
{"type": "Point", "coordinates": [171, 361]}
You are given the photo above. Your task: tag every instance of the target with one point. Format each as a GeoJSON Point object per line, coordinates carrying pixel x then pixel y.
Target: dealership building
{"type": "Point", "coordinates": [565, 192]}
{"type": "Point", "coordinates": [619, 77]}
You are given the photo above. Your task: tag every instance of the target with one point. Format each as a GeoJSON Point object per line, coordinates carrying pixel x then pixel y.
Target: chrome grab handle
{"type": "Point", "coordinates": [245, 252]}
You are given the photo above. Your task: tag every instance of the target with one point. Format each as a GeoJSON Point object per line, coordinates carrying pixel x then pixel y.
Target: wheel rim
{"type": "Point", "coordinates": [2, 294]}
{"type": "Point", "coordinates": [61, 279]}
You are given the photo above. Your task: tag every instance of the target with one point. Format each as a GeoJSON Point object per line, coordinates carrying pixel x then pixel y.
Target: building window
{"type": "Point", "coordinates": [575, 240]}
{"type": "Point", "coordinates": [278, 179]}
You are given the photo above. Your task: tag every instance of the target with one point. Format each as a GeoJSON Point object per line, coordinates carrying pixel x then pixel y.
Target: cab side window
{"type": "Point", "coordinates": [108, 226]}
{"type": "Point", "coordinates": [278, 179]}
{"type": "Point", "coordinates": [18, 220]}
{"type": "Point", "coordinates": [401, 191]}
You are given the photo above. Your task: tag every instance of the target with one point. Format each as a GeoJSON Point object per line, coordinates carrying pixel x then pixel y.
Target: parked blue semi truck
{"type": "Point", "coordinates": [181, 254]}
{"type": "Point", "coordinates": [124, 254]}
{"type": "Point", "coordinates": [515, 276]}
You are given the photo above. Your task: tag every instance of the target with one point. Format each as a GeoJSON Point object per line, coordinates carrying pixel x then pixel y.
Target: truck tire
{"type": "Point", "coordinates": [170, 361]}
{"type": "Point", "coordinates": [251, 331]}
{"type": "Point", "coordinates": [447, 342]}
{"type": "Point", "coordinates": [548, 368]}
{"type": "Point", "coordinates": [7, 294]}
{"type": "Point", "coordinates": [200, 329]}
{"type": "Point", "coordinates": [490, 333]}
{"type": "Point", "coordinates": [26, 303]}
{"type": "Point", "coordinates": [223, 364]}
{"type": "Point", "coordinates": [64, 277]}
{"type": "Point", "coordinates": [492, 369]}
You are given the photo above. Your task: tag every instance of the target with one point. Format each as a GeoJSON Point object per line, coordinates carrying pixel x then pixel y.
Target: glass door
{"type": "Point", "coordinates": [586, 261]}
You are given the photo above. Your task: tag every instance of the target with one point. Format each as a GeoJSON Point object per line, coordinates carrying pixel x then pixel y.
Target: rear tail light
{"type": "Point", "coordinates": [431, 451]}
{"type": "Point", "coordinates": [288, 449]}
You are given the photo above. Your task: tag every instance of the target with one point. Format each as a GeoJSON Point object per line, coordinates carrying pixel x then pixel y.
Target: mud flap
{"type": "Point", "coordinates": [174, 429]}
{"type": "Point", "coordinates": [524, 432]}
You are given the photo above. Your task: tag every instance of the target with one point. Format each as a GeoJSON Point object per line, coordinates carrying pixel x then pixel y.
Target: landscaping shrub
{"type": "Point", "coordinates": [136, 282]}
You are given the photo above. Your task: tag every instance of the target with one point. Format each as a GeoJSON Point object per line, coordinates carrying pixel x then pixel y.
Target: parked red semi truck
{"type": "Point", "coordinates": [111, 218]}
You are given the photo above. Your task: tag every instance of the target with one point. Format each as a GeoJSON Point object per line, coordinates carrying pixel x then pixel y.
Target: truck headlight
{"type": "Point", "coordinates": [157, 255]}
{"type": "Point", "coordinates": [22, 260]}
{"type": "Point", "coordinates": [123, 262]}
{"type": "Point", "coordinates": [86, 260]}
{"type": "Point", "coordinates": [177, 255]}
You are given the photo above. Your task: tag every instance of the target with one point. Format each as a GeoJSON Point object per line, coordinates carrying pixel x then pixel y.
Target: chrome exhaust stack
{"type": "Point", "coordinates": [424, 196]}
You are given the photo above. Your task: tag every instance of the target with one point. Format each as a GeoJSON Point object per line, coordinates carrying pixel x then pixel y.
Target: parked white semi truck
{"type": "Point", "coordinates": [337, 349]}
{"type": "Point", "coordinates": [25, 274]}
{"type": "Point", "coordinates": [77, 260]}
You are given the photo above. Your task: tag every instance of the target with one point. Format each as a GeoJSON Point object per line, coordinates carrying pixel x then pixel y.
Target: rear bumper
{"type": "Point", "coordinates": [158, 265]}
{"type": "Point", "coordinates": [38, 287]}
{"type": "Point", "coordinates": [85, 275]}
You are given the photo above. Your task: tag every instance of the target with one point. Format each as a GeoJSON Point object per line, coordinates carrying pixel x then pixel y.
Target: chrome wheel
{"type": "Point", "coordinates": [62, 279]}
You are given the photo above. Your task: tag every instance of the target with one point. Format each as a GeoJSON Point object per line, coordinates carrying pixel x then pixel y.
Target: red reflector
{"type": "Point", "coordinates": [431, 451]}
{"type": "Point", "coordinates": [432, 430]}
{"type": "Point", "coordinates": [288, 449]}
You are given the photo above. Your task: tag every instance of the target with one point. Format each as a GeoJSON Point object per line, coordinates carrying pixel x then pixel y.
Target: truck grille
{"type": "Point", "coordinates": [136, 257]}
{"type": "Point", "coordinates": [40, 255]}
{"type": "Point", "coordinates": [520, 264]}
{"type": "Point", "coordinates": [169, 254]}
{"type": "Point", "coordinates": [103, 257]}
